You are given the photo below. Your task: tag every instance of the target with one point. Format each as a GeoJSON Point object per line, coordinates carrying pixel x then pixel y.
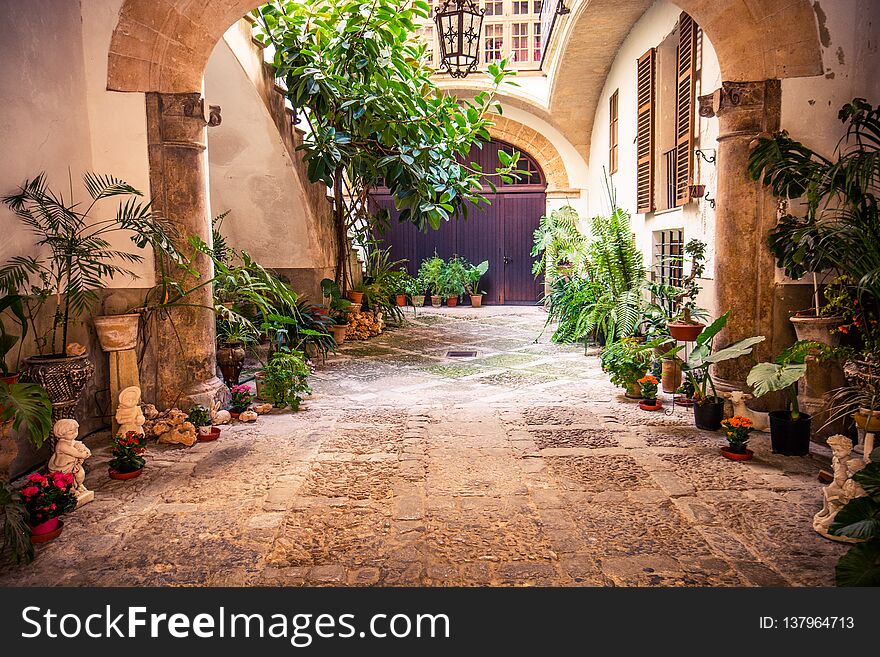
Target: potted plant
{"type": "Point", "coordinates": [285, 379]}
{"type": "Point", "coordinates": [860, 566]}
{"type": "Point", "coordinates": [14, 303]}
{"type": "Point", "coordinates": [416, 290]}
{"type": "Point", "coordinates": [200, 417]}
{"type": "Point", "coordinates": [431, 272]}
{"type": "Point", "coordinates": [78, 260]}
{"type": "Point", "coordinates": [356, 294]}
{"type": "Point", "coordinates": [398, 284]}
{"type": "Point", "coordinates": [233, 337]}
{"type": "Point", "coordinates": [240, 400]}
{"type": "Point", "coordinates": [737, 430]}
{"type": "Point", "coordinates": [473, 274]}
{"type": "Point", "coordinates": [861, 402]}
{"type": "Point", "coordinates": [683, 326]}
{"type": "Point", "coordinates": [47, 498]}
{"type": "Point", "coordinates": [16, 539]}
{"type": "Point", "coordinates": [709, 408]}
{"type": "Point", "coordinates": [23, 407]}
{"type": "Point", "coordinates": [128, 460]}
{"type": "Point", "coordinates": [452, 280]}
{"type": "Point", "coordinates": [648, 387]}
{"type": "Point", "coordinates": [827, 323]}
{"type": "Point", "coordinates": [684, 394]}
{"type": "Point", "coordinates": [627, 361]}
{"type": "Point", "coordinates": [789, 429]}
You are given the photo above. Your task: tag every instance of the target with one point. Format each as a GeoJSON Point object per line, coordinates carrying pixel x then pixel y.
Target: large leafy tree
{"type": "Point", "coordinates": [361, 76]}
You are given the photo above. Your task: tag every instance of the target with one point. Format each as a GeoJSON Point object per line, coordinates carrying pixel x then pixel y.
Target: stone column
{"type": "Point", "coordinates": [184, 345]}
{"type": "Point", "coordinates": [744, 267]}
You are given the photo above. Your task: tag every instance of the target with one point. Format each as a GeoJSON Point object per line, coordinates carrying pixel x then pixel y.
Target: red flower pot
{"type": "Point", "coordinates": [736, 456]}
{"type": "Point", "coordinates": [400, 299]}
{"type": "Point", "coordinates": [234, 414]}
{"type": "Point", "coordinates": [656, 406]}
{"type": "Point", "coordinates": [122, 476]}
{"type": "Point", "coordinates": [452, 302]}
{"type": "Point", "coordinates": [356, 297]}
{"type": "Point", "coordinates": [208, 437]}
{"type": "Point", "coordinates": [46, 531]}
{"type": "Point", "coordinates": [685, 332]}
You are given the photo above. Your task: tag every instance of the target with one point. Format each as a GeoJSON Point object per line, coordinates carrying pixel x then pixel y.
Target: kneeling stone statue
{"type": "Point", "coordinates": [842, 489]}
{"type": "Point", "coordinates": [69, 456]}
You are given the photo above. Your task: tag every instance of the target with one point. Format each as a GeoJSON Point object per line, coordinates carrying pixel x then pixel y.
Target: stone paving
{"type": "Point", "coordinates": [522, 466]}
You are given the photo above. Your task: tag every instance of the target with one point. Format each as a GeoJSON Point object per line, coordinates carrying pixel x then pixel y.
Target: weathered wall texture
{"type": "Point", "coordinates": [274, 213]}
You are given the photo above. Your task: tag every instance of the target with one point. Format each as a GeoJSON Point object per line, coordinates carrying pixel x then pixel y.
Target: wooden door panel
{"type": "Point", "coordinates": [521, 212]}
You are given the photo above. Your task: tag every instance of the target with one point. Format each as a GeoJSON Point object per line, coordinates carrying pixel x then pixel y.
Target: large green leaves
{"type": "Point", "coordinates": [770, 377]}
{"type": "Point", "coordinates": [29, 408]}
{"type": "Point", "coordinates": [16, 533]}
{"type": "Point", "coordinates": [860, 518]}
{"type": "Point", "coordinates": [860, 566]}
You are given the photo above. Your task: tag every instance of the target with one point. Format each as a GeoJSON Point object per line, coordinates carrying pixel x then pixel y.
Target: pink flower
{"type": "Point", "coordinates": [30, 491]}
{"type": "Point", "coordinates": [37, 478]}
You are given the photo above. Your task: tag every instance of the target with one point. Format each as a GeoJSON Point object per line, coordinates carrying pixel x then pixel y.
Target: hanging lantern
{"type": "Point", "coordinates": [458, 32]}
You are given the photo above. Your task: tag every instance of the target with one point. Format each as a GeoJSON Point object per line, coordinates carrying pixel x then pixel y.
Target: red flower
{"type": "Point", "coordinates": [30, 491]}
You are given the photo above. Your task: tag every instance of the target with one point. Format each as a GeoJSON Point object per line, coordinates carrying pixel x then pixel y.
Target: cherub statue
{"type": "Point", "coordinates": [129, 415]}
{"type": "Point", "coordinates": [69, 456]}
{"type": "Point", "coordinates": [842, 489]}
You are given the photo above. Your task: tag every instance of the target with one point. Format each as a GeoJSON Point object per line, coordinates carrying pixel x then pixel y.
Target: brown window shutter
{"type": "Point", "coordinates": [645, 134]}
{"type": "Point", "coordinates": [686, 66]}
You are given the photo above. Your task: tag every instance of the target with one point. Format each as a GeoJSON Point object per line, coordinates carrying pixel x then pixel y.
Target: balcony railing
{"type": "Point", "coordinates": [550, 11]}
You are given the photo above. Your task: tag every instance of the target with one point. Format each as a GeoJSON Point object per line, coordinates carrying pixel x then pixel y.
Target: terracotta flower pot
{"type": "Point", "coordinates": [436, 301]}
{"type": "Point", "coordinates": [212, 434]}
{"type": "Point", "coordinates": [339, 331]}
{"type": "Point", "coordinates": [117, 332]}
{"type": "Point", "coordinates": [400, 299]}
{"type": "Point", "coordinates": [476, 300]}
{"type": "Point", "coordinates": [651, 405]}
{"type": "Point", "coordinates": [356, 297]}
{"type": "Point", "coordinates": [737, 456]}
{"type": "Point", "coordinates": [122, 476]}
{"type": "Point", "coordinates": [235, 414]}
{"type": "Point", "coordinates": [817, 329]}
{"type": "Point", "coordinates": [63, 377]}
{"type": "Point", "coordinates": [685, 332]}
{"type": "Point", "coordinates": [46, 531]}
{"type": "Point", "coordinates": [418, 300]}
{"type": "Point", "coordinates": [634, 390]}
{"type": "Point", "coordinates": [670, 377]}
{"type": "Point", "coordinates": [9, 378]}
{"type": "Point", "coordinates": [452, 302]}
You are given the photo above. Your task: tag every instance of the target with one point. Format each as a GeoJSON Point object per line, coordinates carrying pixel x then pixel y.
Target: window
{"type": "Point", "coordinates": [538, 53]}
{"type": "Point", "coordinates": [531, 173]}
{"type": "Point", "coordinates": [538, 5]}
{"type": "Point", "coordinates": [428, 35]}
{"type": "Point", "coordinates": [493, 42]}
{"type": "Point", "coordinates": [670, 158]}
{"type": "Point", "coordinates": [519, 40]}
{"type": "Point", "coordinates": [520, 6]}
{"type": "Point", "coordinates": [612, 133]}
{"type": "Point", "coordinates": [668, 257]}
{"type": "Point", "coordinates": [494, 7]}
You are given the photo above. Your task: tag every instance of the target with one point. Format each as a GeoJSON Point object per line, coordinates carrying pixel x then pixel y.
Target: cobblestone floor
{"type": "Point", "coordinates": [522, 466]}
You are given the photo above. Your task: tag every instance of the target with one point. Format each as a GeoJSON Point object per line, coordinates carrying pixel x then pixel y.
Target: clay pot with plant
{"type": "Point", "coordinates": [684, 327]}
{"type": "Point", "coordinates": [233, 337]}
{"type": "Point", "coordinates": [648, 387]}
{"type": "Point", "coordinates": [241, 397]}
{"type": "Point", "coordinates": [430, 273]}
{"type": "Point", "coordinates": [737, 430]}
{"type": "Point", "coordinates": [46, 498]}
{"type": "Point", "coordinates": [77, 262]}
{"type": "Point", "coordinates": [200, 417]}
{"type": "Point", "coordinates": [626, 361]}
{"type": "Point", "coordinates": [128, 456]}
{"type": "Point", "coordinates": [473, 274]}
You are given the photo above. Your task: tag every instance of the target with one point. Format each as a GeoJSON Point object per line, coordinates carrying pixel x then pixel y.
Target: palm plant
{"type": "Point", "coordinates": [79, 256]}
{"type": "Point", "coordinates": [28, 407]}
{"type": "Point", "coordinates": [840, 230]}
{"type": "Point", "coordinates": [16, 538]}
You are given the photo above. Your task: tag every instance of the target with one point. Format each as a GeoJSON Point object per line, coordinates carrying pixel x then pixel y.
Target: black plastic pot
{"type": "Point", "coordinates": [709, 414]}
{"type": "Point", "coordinates": [790, 437]}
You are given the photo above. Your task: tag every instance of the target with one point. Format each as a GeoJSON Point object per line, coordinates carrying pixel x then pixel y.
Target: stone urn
{"type": "Point", "coordinates": [230, 358]}
{"type": "Point", "coordinates": [817, 329]}
{"type": "Point", "coordinates": [117, 332]}
{"type": "Point", "coordinates": [339, 331]}
{"type": "Point", "coordinates": [63, 377]}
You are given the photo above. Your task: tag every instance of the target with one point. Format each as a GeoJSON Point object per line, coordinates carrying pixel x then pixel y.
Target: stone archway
{"type": "Point", "coordinates": [537, 146]}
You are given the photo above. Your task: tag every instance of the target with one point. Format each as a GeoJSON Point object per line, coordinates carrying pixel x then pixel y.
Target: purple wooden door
{"type": "Point", "coordinates": [501, 233]}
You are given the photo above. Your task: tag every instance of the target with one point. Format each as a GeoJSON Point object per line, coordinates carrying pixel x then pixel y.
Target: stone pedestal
{"type": "Point", "coordinates": [123, 374]}
{"type": "Point", "coordinates": [744, 267]}
{"type": "Point", "coordinates": [185, 346]}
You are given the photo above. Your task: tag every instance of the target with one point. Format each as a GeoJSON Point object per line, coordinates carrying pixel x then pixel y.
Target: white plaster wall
{"type": "Point", "coordinates": [58, 116]}
{"type": "Point", "coordinates": [251, 173]}
{"type": "Point", "coordinates": [696, 218]}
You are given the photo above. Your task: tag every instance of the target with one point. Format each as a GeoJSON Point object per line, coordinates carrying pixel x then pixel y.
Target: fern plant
{"type": "Point", "coordinates": [559, 241]}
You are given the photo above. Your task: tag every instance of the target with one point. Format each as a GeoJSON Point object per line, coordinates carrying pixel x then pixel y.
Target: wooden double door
{"type": "Point", "coordinates": [501, 233]}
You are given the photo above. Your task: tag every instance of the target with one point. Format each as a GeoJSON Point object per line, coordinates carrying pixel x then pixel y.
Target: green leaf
{"type": "Point", "coordinates": [860, 518]}
{"type": "Point", "coordinates": [770, 377]}
{"type": "Point", "coordinates": [869, 478]}
{"type": "Point", "coordinates": [860, 566]}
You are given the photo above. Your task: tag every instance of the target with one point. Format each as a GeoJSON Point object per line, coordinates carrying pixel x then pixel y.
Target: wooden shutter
{"type": "Point", "coordinates": [686, 65]}
{"type": "Point", "coordinates": [645, 134]}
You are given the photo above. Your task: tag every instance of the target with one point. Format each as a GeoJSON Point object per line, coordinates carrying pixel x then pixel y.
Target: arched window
{"type": "Point", "coordinates": [532, 172]}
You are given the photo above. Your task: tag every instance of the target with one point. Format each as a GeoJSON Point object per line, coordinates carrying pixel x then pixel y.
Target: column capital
{"type": "Point", "coordinates": [744, 108]}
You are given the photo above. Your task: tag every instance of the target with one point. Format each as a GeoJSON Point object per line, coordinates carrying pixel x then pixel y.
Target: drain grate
{"type": "Point", "coordinates": [461, 354]}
